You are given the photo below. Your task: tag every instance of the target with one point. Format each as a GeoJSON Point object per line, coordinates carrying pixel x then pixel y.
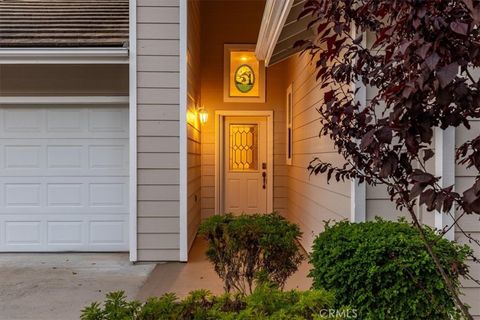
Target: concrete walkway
{"type": "Point", "coordinates": [57, 286]}
{"type": "Point", "coordinates": [198, 273]}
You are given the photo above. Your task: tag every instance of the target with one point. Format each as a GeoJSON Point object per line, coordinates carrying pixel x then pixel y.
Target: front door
{"type": "Point", "coordinates": [245, 165]}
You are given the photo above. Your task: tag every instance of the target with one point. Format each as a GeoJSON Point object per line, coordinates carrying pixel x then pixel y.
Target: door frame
{"type": "Point", "coordinates": [219, 153]}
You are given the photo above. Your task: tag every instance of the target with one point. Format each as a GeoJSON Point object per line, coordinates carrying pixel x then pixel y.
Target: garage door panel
{"type": "Point", "coordinates": [23, 232]}
{"type": "Point", "coordinates": [64, 178]}
{"type": "Point", "coordinates": [21, 120]}
{"type": "Point", "coordinates": [23, 195]}
{"type": "Point", "coordinates": [65, 195]}
{"type": "Point", "coordinates": [65, 232]}
{"type": "Point", "coordinates": [107, 120]}
{"type": "Point", "coordinates": [26, 156]}
{"type": "Point", "coordinates": [65, 120]}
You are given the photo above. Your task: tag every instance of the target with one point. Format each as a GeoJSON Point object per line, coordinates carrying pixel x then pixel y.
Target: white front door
{"type": "Point", "coordinates": [64, 178]}
{"type": "Point", "coordinates": [245, 165]}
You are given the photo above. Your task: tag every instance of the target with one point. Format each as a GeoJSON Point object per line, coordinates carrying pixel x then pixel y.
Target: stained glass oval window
{"type": "Point", "coordinates": [244, 78]}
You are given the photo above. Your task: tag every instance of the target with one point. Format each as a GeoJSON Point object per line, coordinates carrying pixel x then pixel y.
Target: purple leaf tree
{"type": "Point", "coordinates": [421, 65]}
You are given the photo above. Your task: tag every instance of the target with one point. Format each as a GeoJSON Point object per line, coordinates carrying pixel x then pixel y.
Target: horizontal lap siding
{"type": "Point", "coordinates": [158, 139]}
{"type": "Point", "coordinates": [464, 178]}
{"type": "Point", "coordinates": [378, 202]}
{"type": "Point", "coordinates": [311, 199]}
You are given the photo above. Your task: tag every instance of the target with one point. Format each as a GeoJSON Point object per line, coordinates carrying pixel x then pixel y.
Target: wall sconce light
{"type": "Point", "coordinates": [203, 115]}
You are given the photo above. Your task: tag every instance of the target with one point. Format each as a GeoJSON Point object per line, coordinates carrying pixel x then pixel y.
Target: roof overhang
{"type": "Point", "coordinates": [64, 56]}
{"type": "Point", "coordinates": [280, 29]}
{"type": "Point", "coordinates": [274, 17]}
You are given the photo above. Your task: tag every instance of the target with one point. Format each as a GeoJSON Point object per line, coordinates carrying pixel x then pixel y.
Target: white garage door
{"type": "Point", "coordinates": [63, 178]}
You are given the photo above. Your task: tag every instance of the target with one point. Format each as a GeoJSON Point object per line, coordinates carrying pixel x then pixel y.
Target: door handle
{"type": "Point", "coordinates": [264, 176]}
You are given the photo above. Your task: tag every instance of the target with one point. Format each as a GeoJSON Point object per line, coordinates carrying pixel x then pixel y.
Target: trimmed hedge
{"type": "Point", "coordinates": [383, 270]}
{"type": "Point", "coordinates": [252, 247]}
{"type": "Point", "coordinates": [266, 303]}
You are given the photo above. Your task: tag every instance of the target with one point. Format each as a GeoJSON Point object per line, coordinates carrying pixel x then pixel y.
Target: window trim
{"type": "Point", "coordinates": [289, 125]}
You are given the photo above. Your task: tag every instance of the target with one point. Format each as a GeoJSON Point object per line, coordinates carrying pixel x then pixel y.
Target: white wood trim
{"type": "Point", "coordinates": [270, 162]}
{"type": "Point", "coordinates": [183, 131]}
{"type": "Point", "coordinates": [289, 125]}
{"type": "Point", "coordinates": [445, 168]}
{"type": "Point", "coordinates": [358, 197]}
{"type": "Point", "coordinates": [358, 209]}
{"type": "Point", "coordinates": [64, 56]}
{"type": "Point", "coordinates": [64, 100]}
{"type": "Point", "coordinates": [219, 142]}
{"type": "Point", "coordinates": [133, 131]}
{"type": "Point", "coordinates": [358, 192]}
{"type": "Point", "coordinates": [274, 17]}
{"type": "Point", "coordinates": [219, 118]}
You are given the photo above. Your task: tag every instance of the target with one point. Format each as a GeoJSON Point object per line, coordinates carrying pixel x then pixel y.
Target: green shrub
{"type": "Point", "coordinates": [266, 302]}
{"type": "Point", "coordinates": [246, 248]}
{"type": "Point", "coordinates": [383, 270]}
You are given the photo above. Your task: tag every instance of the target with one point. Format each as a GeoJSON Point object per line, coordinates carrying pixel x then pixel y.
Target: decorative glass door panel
{"type": "Point", "coordinates": [245, 165]}
{"type": "Point", "coordinates": [243, 147]}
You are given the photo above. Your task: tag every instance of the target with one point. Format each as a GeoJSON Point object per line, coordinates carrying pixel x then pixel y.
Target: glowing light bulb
{"type": "Point", "coordinates": [203, 115]}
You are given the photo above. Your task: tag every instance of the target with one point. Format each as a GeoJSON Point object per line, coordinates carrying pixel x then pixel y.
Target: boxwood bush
{"type": "Point", "coordinates": [248, 248]}
{"type": "Point", "coordinates": [266, 302]}
{"type": "Point", "coordinates": [383, 270]}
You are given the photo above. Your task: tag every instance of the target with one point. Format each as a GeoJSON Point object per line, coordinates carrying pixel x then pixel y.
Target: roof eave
{"type": "Point", "coordinates": [64, 56]}
{"type": "Point", "coordinates": [274, 17]}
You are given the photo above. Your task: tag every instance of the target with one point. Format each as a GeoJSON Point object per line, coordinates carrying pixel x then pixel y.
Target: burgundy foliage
{"type": "Point", "coordinates": [421, 63]}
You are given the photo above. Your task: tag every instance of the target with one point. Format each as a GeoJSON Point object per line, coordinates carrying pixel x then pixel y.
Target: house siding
{"type": "Point", "coordinates": [378, 202]}
{"type": "Point", "coordinates": [464, 178]}
{"type": "Point", "coordinates": [311, 200]}
{"type": "Point", "coordinates": [158, 207]}
{"type": "Point", "coordinates": [194, 147]}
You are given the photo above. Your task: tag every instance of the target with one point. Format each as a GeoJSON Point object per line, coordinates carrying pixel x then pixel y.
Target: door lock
{"type": "Point", "coordinates": [264, 176]}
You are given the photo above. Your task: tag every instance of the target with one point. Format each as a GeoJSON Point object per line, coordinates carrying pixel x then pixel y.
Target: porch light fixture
{"type": "Point", "coordinates": [203, 115]}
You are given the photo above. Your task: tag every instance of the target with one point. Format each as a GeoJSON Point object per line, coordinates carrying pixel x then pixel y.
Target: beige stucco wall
{"type": "Point", "coordinates": [158, 142]}
{"type": "Point", "coordinates": [193, 123]}
{"type": "Point", "coordinates": [223, 22]}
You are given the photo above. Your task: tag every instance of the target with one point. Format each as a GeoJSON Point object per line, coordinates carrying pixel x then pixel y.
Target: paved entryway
{"type": "Point", "coordinates": [58, 286]}
{"type": "Point", "coordinates": [198, 273]}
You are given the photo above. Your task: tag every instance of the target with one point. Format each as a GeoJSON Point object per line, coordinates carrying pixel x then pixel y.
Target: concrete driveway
{"type": "Point", "coordinates": [58, 286]}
